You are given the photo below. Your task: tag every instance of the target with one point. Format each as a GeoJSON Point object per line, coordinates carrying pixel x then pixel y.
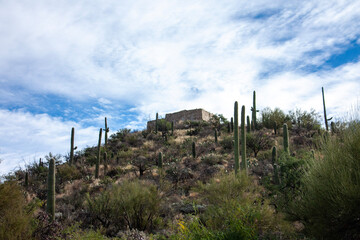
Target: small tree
{"type": "Point", "coordinates": [257, 141]}
{"type": "Point", "coordinates": [142, 160]}
{"type": "Point", "coordinates": [271, 118]}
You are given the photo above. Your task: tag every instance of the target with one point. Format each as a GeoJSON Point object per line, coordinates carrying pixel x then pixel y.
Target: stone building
{"type": "Point", "coordinates": [184, 115]}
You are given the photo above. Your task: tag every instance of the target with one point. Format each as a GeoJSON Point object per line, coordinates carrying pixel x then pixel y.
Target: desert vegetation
{"type": "Point", "coordinates": [280, 176]}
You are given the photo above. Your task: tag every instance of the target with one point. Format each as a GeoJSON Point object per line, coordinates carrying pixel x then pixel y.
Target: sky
{"type": "Point", "coordinates": [67, 64]}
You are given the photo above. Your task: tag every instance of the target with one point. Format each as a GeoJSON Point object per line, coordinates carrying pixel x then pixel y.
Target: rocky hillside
{"type": "Point", "coordinates": [174, 183]}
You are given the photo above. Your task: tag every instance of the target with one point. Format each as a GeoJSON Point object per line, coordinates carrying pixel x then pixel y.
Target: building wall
{"type": "Point", "coordinates": [184, 115]}
{"type": "Point", "coordinates": [188, 115]}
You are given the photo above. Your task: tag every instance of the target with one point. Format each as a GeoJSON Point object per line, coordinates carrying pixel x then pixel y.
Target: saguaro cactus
{"type": "Point", "coordinates": [105, 164]}
{"type": "Point", "coordinates": [160, 161]}
{"type": "Point", "coordinates": [50, 204]}
{"type": "Point", "coordinates": [286, 138]}
{"type": "Point", "coordinates": [248, 126]}
{"type": "Point", "coordinates": [98, 155]}
{"type": "Point", "coordinates": [254, 111]}
{"type": "Point", "coordinates": [172, 128]}
{"type": "Point", "coordinates": [232, 124]}
{"type": "Point", "coordinates": [243, 140]}
{"type": "Point", "coordinates": [236, 137]}
{"type": "Point", "coordinates": [275, 128]}
{"type": "Point", "coordinates": [26, 179]}
{"type": "Point", "coordinates": [156, 123]}
{"type": "Point", "coordinates": [72, 148]}
{"type": "Point", "coordinates": [325, 117]}
{"type": "Point", "coordinates": [276, 172]}
{"type": "Point", "coordinates": [193, 150]}
{"type": "Point", "coordinates": [106, 133]}
{"type": "Point", "coordinates": [216, 135]}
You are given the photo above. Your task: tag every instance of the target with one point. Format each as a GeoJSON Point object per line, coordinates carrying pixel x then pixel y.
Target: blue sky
{"type": "Point", "coordinates": [67, 64]}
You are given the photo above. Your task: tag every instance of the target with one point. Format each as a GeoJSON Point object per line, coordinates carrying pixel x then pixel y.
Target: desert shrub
{"type": "Point", "coordinates": [264, 155]}
{"type": "Point", "coordinates": [124, 156]}
{"type": "Point", "coordinates": [270, 117]}
{"type": "Point", "coordinates": [186, 146]}
{"type": "Point", "coordinates": [74, 232]}
{"type": "Point", "coordinates": [227, 142]}
{"type": "Point", "coordinates": [258, 141]}
{"type": "Point", "coordinates": [134, 139]}
{"type": "Point", "coordinates": [235, 210]}
{"type": "Point", "coordinates": [291, 172]}
{"type": "Point", "coordinates": [66, 172]}
{"type": "Point", "coordinates": [15, 214]}
{"type": "Point", "coordinates": [194, 132]}
{"type": "Point", "coordinates": [132, 204]}
{"type": "Point", "coordinates": [120, 135]}
{"type": "Point", "coordinates": [176, 172]}
{"type": "Point", "coordinates": [212, 159]}
{"type": "Point", "coordinates": [47, 229]}
{"type": "Point", "coordinates": [330, 203]}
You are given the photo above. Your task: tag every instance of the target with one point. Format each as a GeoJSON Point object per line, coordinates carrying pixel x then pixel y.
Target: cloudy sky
{"type": "Point", "coordinates": [67, 64]}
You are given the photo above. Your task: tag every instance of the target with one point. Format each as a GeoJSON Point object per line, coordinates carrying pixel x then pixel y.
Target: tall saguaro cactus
{"type": "Point", "coordinates": [232, 124]}
{"type": "Point", "coordinates": [156, 123]}
{"type": "Point", "coordinates": [26, 179]}
{"type": "Point", "coordinates": [72, 148]}
{"type": "Point", "coordinates": [98, 155]}
{"type": "Point", "coordinates": [216, 135]}
{"type": "Point", "coordinates": [106, 133]}
{"type": "Point", "coordinates": [236, 137]}
{"type": "Point", "coordinates": [286, 138]}
{"type": "Point", "coordinates": [172, 128]}
{"type": "Point", "coordinates": [193, 150]}
{"type": "Point", "coordinates": [248, 126]}
{"type": "Point", "coordinates": [325, 117]}
{"type": "Point", "coordinates": [50, 204]}
{"type": "Point", "coordinates": [243, 140]}
{"type": "Point", "coordinates": [105, 164]}
{"type": "Point", "coordinates": [160, 160]}
{"type": "Point", "coordinates": [254, 111]}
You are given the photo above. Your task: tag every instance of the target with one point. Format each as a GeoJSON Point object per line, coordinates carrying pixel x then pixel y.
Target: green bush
{"type": "Point", "coordinates": [291, 172]}
{"type": "Point", "coordinates": [304, 119]}
{"type": "Point", "coordinates": [330, 203]}
{"type": "Point", "coordinates": [212, 159]}
{"type": "Point", "coordinates": [15, 214]}
{"type": "Point", "coordinates": [270, 117]}
{"type": "Point", "coordinates": [66, 172]}
{"type": "Point", "coordinates": [132, 204]}
{"type": "Point", "coordinates": [74, 232]}
{"type": "Point", "coordinates": [235, 210]}
{"type": "Point", "coordinates": [227, 142]}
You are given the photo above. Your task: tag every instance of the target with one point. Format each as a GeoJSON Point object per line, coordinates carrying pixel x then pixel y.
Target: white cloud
{"type": "Point", "coordinates": [27, 136]}
{"type": "Point", "coordinates": [164, 56]}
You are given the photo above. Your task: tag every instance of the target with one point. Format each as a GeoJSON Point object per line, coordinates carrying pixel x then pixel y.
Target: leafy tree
{"type": "Point", "coordinates": [258, 141]}
{"type": "Point", "coordinates": [271, 117]}
{"type": "Point", "coordinates": [304, 119]}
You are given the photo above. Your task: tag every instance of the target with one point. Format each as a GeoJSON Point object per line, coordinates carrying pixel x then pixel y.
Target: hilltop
{"type": "Point", "coordinates": [178, 182]}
